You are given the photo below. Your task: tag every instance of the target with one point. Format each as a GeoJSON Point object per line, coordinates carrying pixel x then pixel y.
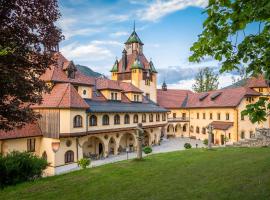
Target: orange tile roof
{"type": "Point", "coordinates": [224, 98]}
{"type": "Point", "coordinates": [130, 60]}
{"type": "Point", "coordinates": [220, 125]}
{"type": "Point", "coordinates": [172, 98]}
{"type": "Point", "coordinates": [256, 82]}
{"type": "Point", "coordinates": [28, 130]}
{"type": "Point", "coordinates": [56, 73]}
{"type": "Point", "coordinates": [103, 83]}
{"type": "Point", "coordinates": [63, 95]}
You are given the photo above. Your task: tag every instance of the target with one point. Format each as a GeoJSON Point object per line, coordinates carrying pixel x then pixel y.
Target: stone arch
{"type": "Point", "coordinates": [112, 146]}
{"type": "Point", "coordinates": [178, 129]}
{"type": "Point", "coordinates": [170, 129]}
{"type": "Point", "coordinates": [94, 148]}
{"type": "Point", "coordinates": [147, 139]}
{"type": "Point", "coordinates": [127, 140]}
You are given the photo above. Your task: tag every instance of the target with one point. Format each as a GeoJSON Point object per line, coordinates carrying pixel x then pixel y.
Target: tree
{"type": "Point", "coordinates": [225, 38]}
{"type": "Point", "coordinates": [27, 33]}
{"type": "Point", "coordinates": [205, 80]}
{"type": "Point", "coordinates": [242, 73]}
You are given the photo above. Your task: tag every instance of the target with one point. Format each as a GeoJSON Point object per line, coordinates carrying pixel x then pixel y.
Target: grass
{"type": "Point", "coordinates": [226, 173]}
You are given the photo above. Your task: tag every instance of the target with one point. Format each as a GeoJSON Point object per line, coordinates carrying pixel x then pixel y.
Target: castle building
{"type": "Point", "coordinates": [91, 117]}
{"type": "Point", "coordinates": [134, 68]}
{"type": "Point", "coordinates": [191, 113]}
{"type": "Point", "coordinates": [88, 117]}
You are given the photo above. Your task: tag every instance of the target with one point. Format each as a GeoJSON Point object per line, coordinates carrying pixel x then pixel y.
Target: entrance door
{"type": "Point", "coordinates": [222, 139]}
{"type": "Point", "coordinates": [100, 149]}
{"type": "Point", "coordinates": [213, 138]}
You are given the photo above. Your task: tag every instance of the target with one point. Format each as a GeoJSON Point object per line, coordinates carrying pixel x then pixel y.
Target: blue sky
{"type": "Point", "coordinates": [95, 31]}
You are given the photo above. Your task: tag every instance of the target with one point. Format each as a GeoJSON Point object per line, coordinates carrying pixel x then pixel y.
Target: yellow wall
{"type": "Point", "coordinates": [107, 94]}
{"type": "Point", "coordinates": [130, 96]}
{"type": "Point", "coordinates": [88, 92]}
{"type": "Point", "coordinates": [66, 120]}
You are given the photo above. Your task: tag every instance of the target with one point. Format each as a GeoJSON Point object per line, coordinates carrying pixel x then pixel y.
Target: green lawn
{"type": "Point", "coordinates": [232, 173]}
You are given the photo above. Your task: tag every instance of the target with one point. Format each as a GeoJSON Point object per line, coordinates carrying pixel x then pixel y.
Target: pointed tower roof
{"type": "Point", "coordinates": [134, 38]}
{"type": "Point", "coordinates": [164, 86]}
{"type": "Point", "coordinates": [137, 64]}
{"type": "Point", "coordinates": [115, 66]}
{"type": "Point", "coordinates": [152, 67]}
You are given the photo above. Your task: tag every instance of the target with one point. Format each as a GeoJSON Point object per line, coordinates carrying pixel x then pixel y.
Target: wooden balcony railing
{"type": "Point", "coordinates": [178, 119]}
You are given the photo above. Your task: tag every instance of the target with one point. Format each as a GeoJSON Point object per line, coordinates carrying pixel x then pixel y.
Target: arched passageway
{"type": "Point", "coordinates": [112, 146]}
{"type": "Point", "coordinates": [127, 140]}
{"type": "Point", "coordinates": [93, 148]}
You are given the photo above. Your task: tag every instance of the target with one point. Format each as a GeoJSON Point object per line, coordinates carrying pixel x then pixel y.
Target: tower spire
{"type": "Point", "coordinates": [134, 26]}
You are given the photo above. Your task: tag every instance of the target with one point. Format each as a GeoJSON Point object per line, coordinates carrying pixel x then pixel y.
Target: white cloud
{"type": "Point", "coordinates": [119, 34]}
{"type": "Point", "coordinates": [107, 42]}
{"type": "Point", "coordinates": [161, 8]}
{"type": "Point", "coordinates": [70, 29]}
{"type": "Point", "coordinates": [86, 52]}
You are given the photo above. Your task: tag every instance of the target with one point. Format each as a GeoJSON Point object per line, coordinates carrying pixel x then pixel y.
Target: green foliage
{"type": "Point", "coordinates": [147, 150]}
{"type": "Point", "coordinates": [187, 146]}
{"type": "Point", "coordinates": [17, 167]}
{"type": "Point", "coordinates": [226, 39]}
{"type": "Point", "coordinates": [205, 141]}
{"type": "Point", "coordinates": [84, 162]}
{"type": "Point", "coordinates": [206, 80]}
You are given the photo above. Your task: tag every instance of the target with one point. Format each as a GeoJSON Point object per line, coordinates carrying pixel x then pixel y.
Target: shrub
{"type": "Point", "coordinates": [17, 167]}
{"type": "Point", "coordinates": [205, 141]}
{"type": "Point", "coordinates": [147, 150]}
{"type": "Point", "coordinates": [187, 146]}
{"type": "Point", "coordinates": [84, 162]}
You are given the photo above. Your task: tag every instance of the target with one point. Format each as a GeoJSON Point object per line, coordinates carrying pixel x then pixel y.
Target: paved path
{"type": "Point", "coordinates": [168, 145]}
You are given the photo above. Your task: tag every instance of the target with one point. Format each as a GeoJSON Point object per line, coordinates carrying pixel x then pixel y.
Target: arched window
{"type": "Point", "coordinates": [203, 130]}
{"type": "Point", "coordinates": [127, 121]}
{"type": "Point", "coordinates": [157, 117]}
{"type": "Point", "coordinates": [116, 119]}
{"type": "Point", "coordinates": [44, 155]}
{"type": "Point", "coordinates": [151, 117]}
{"type": "Point", "coordinates": [242, 134]}
{"type": "Point", "coordinates": [185, 128]}
{"type": "Point", "coordinates": [105, 120]}
{"type": "Point", "coordinates": [93, 120]}
{"type": "Point", "coordinates": [77, 121]}
{"type": "Point", "coordinates": [164, 117]}
{"type": "Point", "coordinates": [191, 129]}
{"type": "Point", "coordinates": [69, 156]}
{"type": "Point", "coordinates": [144, 118]}
{"type": "Point", "coordinates": [197, 129]}
{"type": "Point", "coordinates": [135, 118]}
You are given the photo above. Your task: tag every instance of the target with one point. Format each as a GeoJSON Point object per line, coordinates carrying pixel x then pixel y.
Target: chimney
{"type": "Point", "coordinates": [124, 60]}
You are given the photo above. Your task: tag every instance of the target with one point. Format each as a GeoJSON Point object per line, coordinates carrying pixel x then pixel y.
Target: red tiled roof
{"type": "Point", "coordinates": [220, 125]}
{"type": "Point", "coordinates": [63, 95]}
{"type": "Point", "coordinates": [256, 82]}
{"type": "Point", "coordinates": [56, 73]}
{"type": "Point", "coordinates": [227, 98]}
{"type": "Point", "coordinates": [130, 60]}
{"type": "Point", "coordinates": [103, 83]}
{"type": "Point", "coordinates": [172, 98]}
{"type": "Point", "coordinates": [29, 130]}
{"type": "Point", "coordinates": [129, 87]}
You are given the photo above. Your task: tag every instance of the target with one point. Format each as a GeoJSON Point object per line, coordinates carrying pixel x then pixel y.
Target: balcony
{"type": "Point", "coordinates": [178, 119]}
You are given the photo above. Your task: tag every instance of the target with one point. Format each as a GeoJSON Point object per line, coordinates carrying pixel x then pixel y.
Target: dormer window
{"type": "Point", "coordinates": [114, 96]}
{"type": "Point", "coordinates": [71, 74]}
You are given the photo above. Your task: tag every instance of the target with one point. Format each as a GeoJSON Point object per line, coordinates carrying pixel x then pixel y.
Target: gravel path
{"type": "Point", "coordinates": [167, 145]}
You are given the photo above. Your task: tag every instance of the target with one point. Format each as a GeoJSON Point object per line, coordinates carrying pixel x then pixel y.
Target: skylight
{"type": "Point", "coordinates": [203, 96]}
{"type": "Point", "coordinates": [215, 95]}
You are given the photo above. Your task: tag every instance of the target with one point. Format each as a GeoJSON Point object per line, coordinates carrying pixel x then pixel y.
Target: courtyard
{"type": "Point", "coordinates": [167, 145]}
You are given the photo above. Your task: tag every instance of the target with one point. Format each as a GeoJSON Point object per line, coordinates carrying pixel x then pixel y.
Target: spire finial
{"type": "Point", "coordinates": [134, 26]}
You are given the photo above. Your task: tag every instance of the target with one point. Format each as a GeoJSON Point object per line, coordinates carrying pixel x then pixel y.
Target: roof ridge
{"type": "Point", "coordinates": [63, 94]}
